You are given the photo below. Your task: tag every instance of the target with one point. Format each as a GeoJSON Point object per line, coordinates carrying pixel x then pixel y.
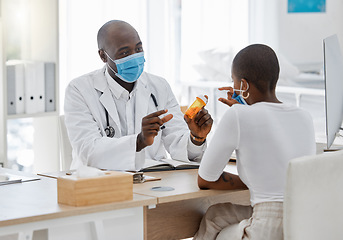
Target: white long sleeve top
{"type": "Point", "coordinates": [266, 136]}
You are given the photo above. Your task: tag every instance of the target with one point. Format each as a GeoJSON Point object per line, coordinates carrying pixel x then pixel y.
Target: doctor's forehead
{"type": "Point", "coordinates": [119, 35]}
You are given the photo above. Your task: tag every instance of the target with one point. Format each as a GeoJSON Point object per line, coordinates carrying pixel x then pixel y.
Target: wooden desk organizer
{"type": "Point", "coordinates": [112, 187]}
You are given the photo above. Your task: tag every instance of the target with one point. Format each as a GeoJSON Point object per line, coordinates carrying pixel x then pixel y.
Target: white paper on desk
{"type": "Point", "coordinates": [34, 87]}
{"type": "Point", "coordinates": [6, 178]}
{"type": "Point", "coordinates": [17, 176]}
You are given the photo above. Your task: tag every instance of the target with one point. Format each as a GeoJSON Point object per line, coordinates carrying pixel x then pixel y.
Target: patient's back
{"type": "Point", "coordinates": [270, 135]}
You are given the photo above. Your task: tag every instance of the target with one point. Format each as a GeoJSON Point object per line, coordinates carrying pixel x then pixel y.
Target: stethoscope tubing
{"type": "Point", "coordinates": [109, 130]}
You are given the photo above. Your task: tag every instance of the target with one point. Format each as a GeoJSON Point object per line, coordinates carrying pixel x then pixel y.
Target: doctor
{"type": "Point", "coordinates": [118, 116]}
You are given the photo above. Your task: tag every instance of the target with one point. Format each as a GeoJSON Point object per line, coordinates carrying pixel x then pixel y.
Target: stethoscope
{"type": "Point", "coordinates": [109, 130]}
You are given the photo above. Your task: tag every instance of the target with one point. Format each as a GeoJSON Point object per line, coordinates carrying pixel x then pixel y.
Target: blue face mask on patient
{"type": "Point", "coordinates": [239, 98]}
{"type": "Point", "coordinates": [129, 68]}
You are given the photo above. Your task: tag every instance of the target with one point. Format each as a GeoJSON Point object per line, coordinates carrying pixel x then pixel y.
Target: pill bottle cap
{"type": "Point", "coordinates": [203, 98]}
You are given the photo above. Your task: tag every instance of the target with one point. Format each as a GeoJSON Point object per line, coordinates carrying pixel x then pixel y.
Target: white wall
{"type": "Point", "coordinates": [263, 22]}
{"type": "Point", "coordinates": [161, 48]}
{"type": "Point", "coordinates": [169, 30]}
{"type": "Point", "coordinates": [79, 24]}
{"type": "Point", "coordinates": [208, 24]}
{"type": "Point", "coordinates": [301, 34]}
{"type": "Point", "coordinates": [298, 36]}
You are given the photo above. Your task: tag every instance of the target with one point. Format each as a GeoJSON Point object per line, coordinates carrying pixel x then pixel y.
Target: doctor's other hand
{"type": "Point", "coordinates": [199, 126]}
{"type": "Point", "coordinates": [150, 126]}
{"type": "Point", "coordinates": [229, 100]}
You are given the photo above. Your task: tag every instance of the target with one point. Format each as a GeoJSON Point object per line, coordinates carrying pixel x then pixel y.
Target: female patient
{"type": "Point", "coordinates": [266, 134]}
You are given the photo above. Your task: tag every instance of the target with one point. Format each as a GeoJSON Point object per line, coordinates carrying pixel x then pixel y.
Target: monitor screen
{"type": "Point", "coordinates": [333, 72]}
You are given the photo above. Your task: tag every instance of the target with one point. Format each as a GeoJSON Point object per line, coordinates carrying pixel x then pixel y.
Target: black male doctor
{"type": "Point", "coordinates": [118, 116]}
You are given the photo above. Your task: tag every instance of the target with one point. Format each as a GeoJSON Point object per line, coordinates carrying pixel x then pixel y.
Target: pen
{"type": "Point", "coordinates": [155, 102]}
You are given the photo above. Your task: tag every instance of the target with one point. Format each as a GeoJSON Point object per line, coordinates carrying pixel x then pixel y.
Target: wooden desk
{"type": "Point", "coordinates": [29, 206]}
{"type": "Point", "coordinates": [26, 207]}
{"type": "Point", "coordinates": [178, 213]}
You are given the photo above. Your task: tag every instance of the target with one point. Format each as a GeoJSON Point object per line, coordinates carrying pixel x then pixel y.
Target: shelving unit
{"type": "Point", "coordinates": [29, 31]}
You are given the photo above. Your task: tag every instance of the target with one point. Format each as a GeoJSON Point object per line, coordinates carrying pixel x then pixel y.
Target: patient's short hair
{"type": "Point", "coordinates": [258, 64]}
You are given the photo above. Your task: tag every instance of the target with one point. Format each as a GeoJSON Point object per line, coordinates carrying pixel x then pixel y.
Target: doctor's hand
{"type": "Point", "coordinates": [229, 100]}
{"type": "Point", "coordinates": [199, 126]}
{"type": "Point", "coordinates": [150, 126]}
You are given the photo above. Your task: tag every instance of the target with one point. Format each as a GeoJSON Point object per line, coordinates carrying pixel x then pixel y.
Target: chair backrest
{"type": "Point", "coordinates": [66, 149]}
{"type": "Point", "coordinates": [313, 200]}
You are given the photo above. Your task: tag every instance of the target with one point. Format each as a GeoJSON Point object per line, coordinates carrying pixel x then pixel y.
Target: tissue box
{"type": "Point", "coordinates": [111, 187]}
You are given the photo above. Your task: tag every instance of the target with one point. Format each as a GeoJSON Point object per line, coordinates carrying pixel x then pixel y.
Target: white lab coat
{"type": "Point", "coordinates": [86, 99]}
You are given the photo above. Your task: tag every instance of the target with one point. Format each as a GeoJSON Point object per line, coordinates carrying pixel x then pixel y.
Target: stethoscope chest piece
{"type": "Point", "coordinates": [109, 131]}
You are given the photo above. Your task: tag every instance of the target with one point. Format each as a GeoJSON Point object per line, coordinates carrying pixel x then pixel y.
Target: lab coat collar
{"type": "Point", "coordinates": [142, 101]}
{"type": "Point", "coordinates": [100, 84]}
{"type": "Point", "coordinates": [142, 98]}
{"type": "Point", "coordinates": [115, 87]}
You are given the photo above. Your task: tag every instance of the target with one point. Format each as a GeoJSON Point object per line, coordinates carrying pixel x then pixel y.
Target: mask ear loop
{"type": "Point", "coordinates": [109, 64]}
{"type": "Point", "coordinates": [115, 73]}
{"type": "Point", "coordinates": [108, 56]}
{"type": "Point", "coordinates": [242, 91]}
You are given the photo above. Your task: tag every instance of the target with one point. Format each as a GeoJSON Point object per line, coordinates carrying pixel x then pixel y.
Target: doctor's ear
{"type": "Point", "coordinates": [102, 55]}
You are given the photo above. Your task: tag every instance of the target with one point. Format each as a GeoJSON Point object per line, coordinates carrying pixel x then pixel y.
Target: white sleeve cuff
{"type": "Point", "coordinates": [195, 152]}
{"type": "Point", "coordinates": [140, 160]}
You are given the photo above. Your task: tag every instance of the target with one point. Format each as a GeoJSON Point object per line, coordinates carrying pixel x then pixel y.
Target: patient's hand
{"type": "Point", "coordinates": [229, 100]}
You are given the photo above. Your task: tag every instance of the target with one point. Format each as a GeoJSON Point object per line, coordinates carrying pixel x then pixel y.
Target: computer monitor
{"type": "Point", "coordinates": [333, 72]}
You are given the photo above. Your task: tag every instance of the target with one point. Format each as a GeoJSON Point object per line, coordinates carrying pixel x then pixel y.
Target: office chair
{"type": "Point", "coordinates": [66, 149]}
{"type": "Point", "coordinates": [313, 200]}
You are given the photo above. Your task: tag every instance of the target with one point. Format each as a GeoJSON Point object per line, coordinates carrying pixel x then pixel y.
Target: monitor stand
{"type": "Point", "coordinates": [333, 148]}
{"type": "Point", "coordinates": [321, 144]}
{"type": "Point", "coordinates": [336, 145]}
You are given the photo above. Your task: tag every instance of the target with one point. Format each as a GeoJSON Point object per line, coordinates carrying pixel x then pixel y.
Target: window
{"type": "Point", "coordinates": [173, 32]}
{"type": "Point", "coordinates": [20, 154]}
{"type": "Point", "coordinates": [189, 39]}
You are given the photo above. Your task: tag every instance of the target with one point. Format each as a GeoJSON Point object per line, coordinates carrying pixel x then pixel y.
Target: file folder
{"type": "Point", "coordinates": [15, 87]}
{"type": "Point", "coordinates": [50, 102]}
{"type": "Point", "coordinates": [34, 87]}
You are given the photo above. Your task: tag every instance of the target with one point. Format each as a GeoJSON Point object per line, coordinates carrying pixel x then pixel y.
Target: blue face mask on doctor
{"type": "Point", "coordinates": [238, 97]}
{"type": "Point", "coordinates": [129, 68]}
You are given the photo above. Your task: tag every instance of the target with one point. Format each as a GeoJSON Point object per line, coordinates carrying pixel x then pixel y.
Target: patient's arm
{"type": "Point", "coordinates": [227, 181]}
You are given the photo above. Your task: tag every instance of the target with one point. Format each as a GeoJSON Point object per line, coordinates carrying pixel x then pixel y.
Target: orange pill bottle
{"type": "Point", "coordinates": [196, 106]}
